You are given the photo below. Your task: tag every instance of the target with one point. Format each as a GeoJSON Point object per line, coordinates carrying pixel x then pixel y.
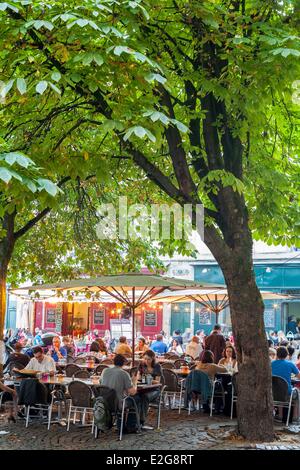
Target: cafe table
{"type": "Point", "coordinates": [182, 372]}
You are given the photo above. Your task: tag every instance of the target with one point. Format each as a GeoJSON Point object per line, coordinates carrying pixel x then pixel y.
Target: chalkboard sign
{"type": "Point", "coordinates": [269, 317]}
{"type": "Point", "coordinates": [50, 315]}
{"type": "Point", "coordinates": [150, 318]}
{"type": "Point", "coordinates": [204, 316]}
{"type": "Point", "coordinates": [99, 316]}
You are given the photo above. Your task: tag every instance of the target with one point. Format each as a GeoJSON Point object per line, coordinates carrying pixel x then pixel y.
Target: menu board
{"type": "Point", "coordinates": [204, 316]}
{"type": "Point", "coordinates": [50, 315]}
{"type": "Point", "coordinates": [269, 317]}
{"type": "Point", "coordinates": [150, 318]}
{"type": "Point", "coordinates": [99, 316]}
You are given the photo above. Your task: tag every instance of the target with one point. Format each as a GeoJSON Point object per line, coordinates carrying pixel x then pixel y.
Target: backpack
{"type": "Point", "coordinates": [102, 415]}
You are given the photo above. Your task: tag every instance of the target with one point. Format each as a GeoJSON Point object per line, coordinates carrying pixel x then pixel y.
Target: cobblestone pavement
{"type": "Point", "coordinates": [178, 432]}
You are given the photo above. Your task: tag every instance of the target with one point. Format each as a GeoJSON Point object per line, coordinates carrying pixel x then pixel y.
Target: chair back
{"type": "Point", "coordinates": [170, 380]}
{"type": "Point", "coordinates": [32, 392]}
{"type": "Point", "coordinates": [15, 365]}
{"type": "Point", "coordinates": [81, 394]}
{"type": "Point", "coordinates": [80, 360]}
{"type": "Point", "coordinates": [99, 369]}
{"type": "Point", "coordinates": [280, 389]}
{"type": "Point", "coordinates": [179, 363]}
{"type": "Point", "coordinates": [70, 359]}
{"type": "Point", "coordinates": [110, 395]}
{"type": "Point", "coordinates": [82, 374]}
{"type": "Point", "coordinates": [167, 365]}
{"type": "Point", "coordinates": [71, 369]}
{"type": "Point", "coordinates": [199, 382]}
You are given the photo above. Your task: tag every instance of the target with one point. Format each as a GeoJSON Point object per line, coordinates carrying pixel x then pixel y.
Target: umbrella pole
{"type": "Point", "coordinates": [133, 323]}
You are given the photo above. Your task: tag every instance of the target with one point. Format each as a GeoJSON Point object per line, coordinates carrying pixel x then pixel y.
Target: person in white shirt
{"type": "Point", "coordinates": [194, 348]}
{"type": "Point", "coordinates": [176, 348]}
{"type": "Point", "coordinates": [41, 362]}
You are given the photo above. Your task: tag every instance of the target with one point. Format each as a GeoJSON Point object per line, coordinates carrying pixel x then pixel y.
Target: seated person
{"type": "Point", "coordinates": [272, 354]}
{"type": "Point", "coordinates": [141, 347]}
{"type": "Point", "coordinates": [17, 356]}
{"type": "Point", "coordinates": [41, 362]}
{"type": "Point", "coordinates": [37, 340]}
{"type": "Point", "coordinates": [194, 348]}
{"type": "Point", "coordinates": [178, 337]}
{"type": "Point", "coordinates": [68, 346]}
{"type": "Point", "coordinates": [123, 347]}
{"type": "Point", "coordinates": [120, 380]}
{"type": "Point", "coordinates": [291, 351]}
{"type": "Point", "coordinates": [176, 348]}
{"type": "Point", "coordinates": [229, 358]}
{"type": "Point", "coordinates": [298, 361]}
{"type": "Point", "coordinates": [206, 364]}
{"type": "Point", "coordinates": [102, 346]}
{"type": "Point", "coordinates": [284, 369]}
{"type": "Point", "coordinates": [57, 352]}
{"type": "Point", "coordinates": [158, 346]}
{"type": "Point", "coordinates": [95, 351]}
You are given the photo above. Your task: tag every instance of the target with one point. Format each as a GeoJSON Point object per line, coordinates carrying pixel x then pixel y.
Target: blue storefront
{"type": "Point", "coordinates": [281, 278]}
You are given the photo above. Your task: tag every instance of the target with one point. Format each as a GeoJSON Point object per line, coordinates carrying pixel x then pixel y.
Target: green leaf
{"type": "Point", "coordinates": [41, 87]}
{"type": "Point", "coordinates": [5, 6]}
{"type": "Point", "coordinates": [285, 52]}
{"type": "Point", "coordinates": [17, 157]}
{"type": "Point", "coordinates": [55, 88]}
{"type": "Point", "coordinates": [150, 77]}
{"type": "Point", "coordinates": [6, 88]}
{"type": "Point", "coordinates": [180, 126]}
{"type": "Point", "coordinates": [82, 22]}
{"type": "Point", "coordinates": [118, 50]}
{"type": "Point", "coordinates": [56, 76]}
{"type": "Point", "coordinates": [5, 175]}
{"type": "Point", "coordinates": [48, 186]}
{"type": "Point", "coordinates": [21, 85]}
{"type": "Point", "coordinates": [140, 132]}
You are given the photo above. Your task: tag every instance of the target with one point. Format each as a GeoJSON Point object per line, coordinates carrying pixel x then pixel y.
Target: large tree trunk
{"type": "Point", "coordinates": [255, 403]}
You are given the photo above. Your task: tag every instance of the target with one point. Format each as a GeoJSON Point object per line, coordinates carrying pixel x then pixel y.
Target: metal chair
{"type": "Point", "coordinates": [99, 369]}
{"type": "Point", "coordinates": [173, 387]}
{"type": "Point", "coordinates": [71, 369]}
{"type": "Point", "coordinates": [158, 404]}
{"type": "Point", "coordinates": [281, 396]}
{"type": "Point", "coordinates": [81, 402]}
{"type": "Point", "coordinates": [233, 393]}
{"type": "Point", "coordinates": [82, 374]}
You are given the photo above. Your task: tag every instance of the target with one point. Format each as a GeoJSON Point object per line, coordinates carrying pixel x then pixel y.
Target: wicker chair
{"type": "Point", "coordinates": [70, 359]}
{"type": "Point", "coordinates": [99, 369]}
{"type": "Point", "coordinates": [71, 369]}
{"type": "Point", "coordinates": [82, 374]}
{"type": "Point", "coordinates": [173, 387]}
{"type": "Point", "coordinates": [179, 363]}
{"type": "Point", "coordinates": [81, 402]}
{"type": "Point", "coordinates": [167, 365]}
{"type": "Point", "coordinates": [80, 360]}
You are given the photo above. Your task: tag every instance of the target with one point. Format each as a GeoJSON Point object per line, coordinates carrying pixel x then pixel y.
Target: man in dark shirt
{"type": "Point", "coordinates": [215, 342]}
{"type": "Point", "coordinates": [17, 356]}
